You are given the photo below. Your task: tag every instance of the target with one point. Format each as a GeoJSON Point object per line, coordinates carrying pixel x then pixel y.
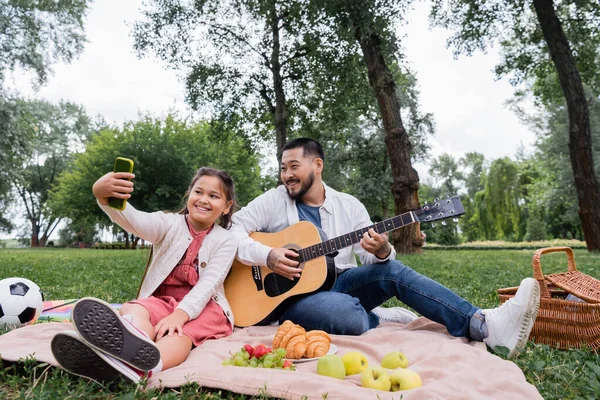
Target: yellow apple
{"type": "Point", "coordinates": [394, 360]}
{"type": "Point", "coordinates": [404, 379]}
{"type": "Point", "coordinates": [355, 362]}
{"type": "Point", "coordinates": [331, 365]}
{"type": "Point", "coordinates": [376, 378]}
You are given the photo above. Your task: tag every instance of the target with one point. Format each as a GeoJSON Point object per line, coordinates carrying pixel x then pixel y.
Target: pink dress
{"type": "Point", "coordinates": [212, 323]}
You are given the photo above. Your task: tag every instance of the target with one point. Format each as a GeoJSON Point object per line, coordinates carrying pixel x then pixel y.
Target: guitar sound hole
{"type": "Point", "coordinates": [276, 284]}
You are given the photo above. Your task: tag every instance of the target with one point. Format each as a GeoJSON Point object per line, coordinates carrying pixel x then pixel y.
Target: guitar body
{"type": "Point", "coordinates": [258, 296]}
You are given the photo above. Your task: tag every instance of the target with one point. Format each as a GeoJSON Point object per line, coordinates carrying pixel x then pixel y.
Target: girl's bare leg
{"type": "Point", "coordinates": [141, 318]}
{"type": "Point", "coordinates": [174, 349]}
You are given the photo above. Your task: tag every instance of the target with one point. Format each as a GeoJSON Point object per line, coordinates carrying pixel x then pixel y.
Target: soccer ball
{"type": "Point", "coordinates": [21, 302]}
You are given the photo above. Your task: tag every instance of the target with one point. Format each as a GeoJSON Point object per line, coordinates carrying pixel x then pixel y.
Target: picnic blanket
{"type": "Point", "coordinates": [60, 310]}
{"type": "Point", "coordinates": [451, 368]}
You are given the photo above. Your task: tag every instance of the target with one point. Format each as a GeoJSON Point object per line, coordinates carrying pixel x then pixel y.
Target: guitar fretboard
{"type": "Point", "coordinates": [333, 245]}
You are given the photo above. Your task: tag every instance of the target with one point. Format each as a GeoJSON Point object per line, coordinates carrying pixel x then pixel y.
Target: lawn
{"type": "Point", "coordinates": [114, 275]}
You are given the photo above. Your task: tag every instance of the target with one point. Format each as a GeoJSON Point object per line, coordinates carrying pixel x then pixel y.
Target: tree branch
{"type": "Point", "coordinates": [227, 30]}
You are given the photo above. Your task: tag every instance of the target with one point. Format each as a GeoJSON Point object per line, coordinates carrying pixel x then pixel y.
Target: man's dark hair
{"type": "Point", "coordinates": [309, 147]}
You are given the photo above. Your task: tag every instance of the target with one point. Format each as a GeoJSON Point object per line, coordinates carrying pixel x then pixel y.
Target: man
{"type": "Point", "coordinates": [351, 306]}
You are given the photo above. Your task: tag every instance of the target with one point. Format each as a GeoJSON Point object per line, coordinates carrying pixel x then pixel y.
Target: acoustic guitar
{"type": "Point", "coordinates": [259, 296]}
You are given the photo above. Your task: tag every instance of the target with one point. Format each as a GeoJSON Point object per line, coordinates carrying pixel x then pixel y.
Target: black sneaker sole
{"type": "Point", "coordinates": [78, 359]}
{"type": "Point", "coordinates": [101, 327]}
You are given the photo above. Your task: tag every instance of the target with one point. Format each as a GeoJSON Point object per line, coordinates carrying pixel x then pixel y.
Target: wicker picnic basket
{"type": "Point", "coordinates": [564, 323]}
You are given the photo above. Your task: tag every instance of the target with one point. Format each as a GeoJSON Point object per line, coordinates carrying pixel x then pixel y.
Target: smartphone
{"type": "Point", "coordinates": [121, 165]}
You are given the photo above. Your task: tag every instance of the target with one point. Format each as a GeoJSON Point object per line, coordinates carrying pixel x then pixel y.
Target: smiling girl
{"type": "Point", "coordinates": [181, 302]}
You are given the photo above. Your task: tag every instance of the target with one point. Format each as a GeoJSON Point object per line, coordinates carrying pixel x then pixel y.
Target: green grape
{"type": "Point", "coordinates": [245, 355]}
{"type": "Point", "coordinates": [239, 361]}
{"type": "Point", "coordinates": [270, 358]}
{"type": "Point", "coordinates": [253, 362]}
{"type": "Point", "coordinates": [228, 361]}
{"type": "Point", "coordinates": [281, 352]}
{"type": "Point", "coordinates": [267, 363]}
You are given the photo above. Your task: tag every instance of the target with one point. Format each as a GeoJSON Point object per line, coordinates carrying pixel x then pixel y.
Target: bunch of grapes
{"type": "Point", "coordinates": [260, 357]}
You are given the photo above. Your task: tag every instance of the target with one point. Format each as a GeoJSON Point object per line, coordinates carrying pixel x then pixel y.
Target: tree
{"type": "Point", "coordinates": [567, 32]}
{"type": "Point", "coordinates": [243, 60]}
{"type": "Point", "coordinates": [36, 34]}
{"type": "Point", "coordinates": [54, 130]}
{"type": "Point", "coordinates": [166, 154]}
{"type": "Point", "coordinates": [14, 145]}
{"type": "Point", "coordinates": [370, 25]}
{"type": "Point", "coordinates": [554, 192]}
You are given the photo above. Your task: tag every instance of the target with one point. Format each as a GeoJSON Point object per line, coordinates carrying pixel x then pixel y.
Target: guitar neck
{"type": "Point", "coordinates": [337, 243]}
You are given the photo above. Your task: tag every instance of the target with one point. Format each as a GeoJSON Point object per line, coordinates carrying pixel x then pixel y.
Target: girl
{"type": "Point", "coordinates": [181, 302]}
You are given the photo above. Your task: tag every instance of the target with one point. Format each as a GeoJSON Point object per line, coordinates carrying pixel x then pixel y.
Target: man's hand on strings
{"type": "Point", "coordinates": [279, 261]}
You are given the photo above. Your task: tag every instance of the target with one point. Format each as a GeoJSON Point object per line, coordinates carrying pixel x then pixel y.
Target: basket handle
{"type": "Point", "coordinates": [537, 266]}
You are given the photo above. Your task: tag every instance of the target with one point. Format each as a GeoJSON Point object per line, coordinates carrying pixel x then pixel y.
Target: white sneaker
{"type": "Point", "coordinates": [510, 324]}
{"type": "Point", "coordinates": [398, 315]}
{"type": "Point", "coordinates": [78, 358]}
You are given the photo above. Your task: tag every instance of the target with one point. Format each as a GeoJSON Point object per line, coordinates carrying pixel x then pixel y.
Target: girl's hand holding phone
{"type": "Point", "coordinates": [113, 184]}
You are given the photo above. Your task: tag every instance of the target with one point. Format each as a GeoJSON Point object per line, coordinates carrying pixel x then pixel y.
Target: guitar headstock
{"type": "Point", "coordinates": [441, 209]}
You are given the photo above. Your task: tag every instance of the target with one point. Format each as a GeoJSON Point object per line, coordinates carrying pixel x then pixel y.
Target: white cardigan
{"type": "Point", "coordinates": [170, 235]}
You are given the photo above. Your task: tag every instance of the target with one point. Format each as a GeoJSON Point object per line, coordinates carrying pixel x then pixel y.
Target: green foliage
{"type": "Point", "coordinates": [231, 54]}
{"type": "Point", "coordinates": [478, 24]}
{"type": "Point", "coordinates": [474, 275]}
{"type": "Point", "coordinates": [45, 135]}
{"type": "Point", "coordinates": [536, 228]}
{"type": "Point", "coordinates": [166, 155]}
{"type": "Point", "coordinates": [36, 34]}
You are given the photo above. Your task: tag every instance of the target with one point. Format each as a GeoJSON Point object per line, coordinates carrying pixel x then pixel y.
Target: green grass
{"type": "Point", "coordinates": [114, 275]}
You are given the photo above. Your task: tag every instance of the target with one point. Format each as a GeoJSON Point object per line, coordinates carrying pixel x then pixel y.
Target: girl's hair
{"type": "Point", "coordinates": [228, 189]}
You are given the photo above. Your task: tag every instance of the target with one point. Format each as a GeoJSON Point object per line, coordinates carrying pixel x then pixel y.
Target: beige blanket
{"type": "Point", "coordinates": [450, 368]}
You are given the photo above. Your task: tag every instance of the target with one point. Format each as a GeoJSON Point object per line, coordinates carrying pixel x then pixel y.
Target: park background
{"type": "Point", "coordinates": [481, 99]}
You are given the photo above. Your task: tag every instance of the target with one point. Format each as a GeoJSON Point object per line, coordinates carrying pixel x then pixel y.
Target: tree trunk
{"type": "Point", "coordinates": [580, 137]}
{"type": "Point", "coordinates": [35, 234]}
{"type": "Point", "coordinates": [43, 241]}
{"type": "Point", "coordinates": [279, 116]}
{"type": "Point", "coordinates": [405, 184]}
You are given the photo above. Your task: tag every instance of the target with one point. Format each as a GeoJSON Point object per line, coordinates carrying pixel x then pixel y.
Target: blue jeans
{"type": "Point", "coordinates": [346, 308]}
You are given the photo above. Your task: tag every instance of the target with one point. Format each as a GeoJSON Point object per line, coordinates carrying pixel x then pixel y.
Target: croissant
{"type": "Point", "coordinates": [292, 338]}
{"type": "Point", "coordinates": [318, 343]}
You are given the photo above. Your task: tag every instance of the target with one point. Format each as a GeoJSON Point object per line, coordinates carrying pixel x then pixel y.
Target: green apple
{"type": "Point", "coordinates": [376, 378]}
{"type": "Point", "coordinates": [394, 360]}
{"type": "Point", "coordinates": [331, 365]}
{"type": "Point", "coordinates": [404, 379]}
{"type": "Point", "coordinates": [355, 362]}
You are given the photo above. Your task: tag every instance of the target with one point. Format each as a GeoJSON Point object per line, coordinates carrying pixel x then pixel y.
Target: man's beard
{"type": "Point", "coordinates": [304, 188]}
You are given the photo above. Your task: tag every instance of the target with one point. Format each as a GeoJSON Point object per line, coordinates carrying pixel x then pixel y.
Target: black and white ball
{"type": "Point", "coordinates": [21, 302]}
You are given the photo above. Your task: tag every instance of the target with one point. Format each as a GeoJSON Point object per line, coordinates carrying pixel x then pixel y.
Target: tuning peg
{"type": "Point", "coordinates": [426, 208]}
{"type": "Point", "coordinates": [447, 201]}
